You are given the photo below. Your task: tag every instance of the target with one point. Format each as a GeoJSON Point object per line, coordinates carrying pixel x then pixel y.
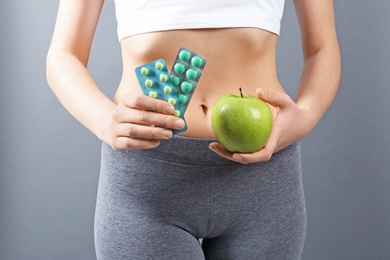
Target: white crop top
{"type": "Point", "coordinates": [142, 16]}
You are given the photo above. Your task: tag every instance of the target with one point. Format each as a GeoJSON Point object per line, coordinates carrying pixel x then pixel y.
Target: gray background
{"type": "Point", "coordinates": [49, 163]}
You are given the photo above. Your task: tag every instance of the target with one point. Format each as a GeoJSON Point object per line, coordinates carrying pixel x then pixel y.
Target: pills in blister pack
{"type": "Point", "coordinates": [155, 82]}
{"type": "Point", "coordinates": [175, 88]}
{"type": "Point", "coordinates": [185, 75]}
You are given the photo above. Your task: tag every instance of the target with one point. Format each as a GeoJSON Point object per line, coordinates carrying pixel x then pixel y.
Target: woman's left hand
{"type": "Point", "coordinates": [290, 125]}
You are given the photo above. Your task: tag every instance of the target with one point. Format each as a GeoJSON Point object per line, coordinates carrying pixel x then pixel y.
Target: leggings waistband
{"type": "Point", "coordinates": [188, 150]}
{"type": "Point", "coordinates": [185, 150]}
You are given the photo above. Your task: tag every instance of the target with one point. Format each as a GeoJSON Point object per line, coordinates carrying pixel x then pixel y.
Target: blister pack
{"type": "Point", "coordinates": [176, 87]}
{"type": "Point", "coordinates": [185, 74]}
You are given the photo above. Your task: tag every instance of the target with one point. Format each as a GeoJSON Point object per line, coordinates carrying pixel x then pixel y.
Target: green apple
{"type": "Point", "coordinates": [241, 123]}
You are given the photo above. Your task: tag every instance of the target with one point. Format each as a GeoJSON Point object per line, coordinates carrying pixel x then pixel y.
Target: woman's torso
{"type": "Point", "coordinates": [236, 57]}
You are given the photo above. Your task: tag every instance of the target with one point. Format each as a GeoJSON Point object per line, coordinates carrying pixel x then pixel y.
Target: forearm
{"type": "Point", "coordinates": [74, 87]}
{"type": "Point", "coordinates": [319, 84]}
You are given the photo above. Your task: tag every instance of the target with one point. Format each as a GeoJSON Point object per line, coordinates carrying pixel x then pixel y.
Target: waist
{"type": "Point", "coordinates": [195, 151]}
{"type": "Point", "coordinates": [236, 58]}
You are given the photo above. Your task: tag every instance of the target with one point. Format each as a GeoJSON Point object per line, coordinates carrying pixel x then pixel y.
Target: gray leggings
{"type": "Point", "coordinates": [159, 204]}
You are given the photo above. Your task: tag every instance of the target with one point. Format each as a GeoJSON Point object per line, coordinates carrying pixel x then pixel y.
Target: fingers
{"type": "Point", "coordinates": [221, 151]}
{"type": "Point", "coordinates": [147, 118]}
{"type": "Point", "coordinates": [142, 132]}
{"type": "Point", "coordinates": [143, 110]}
{"type": "Point", "coordinates": [143, 102]}
{"type": "Point", "coordinates": [262, 155]}
{"type": "Point", "coordinates": [139, 122]}
{"type": "Point", "coordinates": [275, 98]}
{"type": "Point", "coordinates": [132, 136]}
{"type": "Point", "coordinates": [124, 143]}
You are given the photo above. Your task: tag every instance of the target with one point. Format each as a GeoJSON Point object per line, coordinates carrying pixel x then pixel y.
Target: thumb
{"type": "Point", "coordinates": [274, 98]}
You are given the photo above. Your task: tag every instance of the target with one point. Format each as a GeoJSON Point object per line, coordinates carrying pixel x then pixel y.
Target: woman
{"type": "Point", "coordinates": [159, 194]}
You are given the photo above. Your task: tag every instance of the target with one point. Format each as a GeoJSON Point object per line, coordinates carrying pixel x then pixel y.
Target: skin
{"type": "Point", "coordinates": [134, 121]}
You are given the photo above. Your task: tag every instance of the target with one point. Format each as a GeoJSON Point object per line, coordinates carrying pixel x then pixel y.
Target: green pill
{"type": "Point", "coordinates": [184, 55]}
{"type": "Point", "coordinates": [186, 86]}
{"type": "Point", "coordinates": [163, 78]}
{"type": "Point", "coordinates": [176, 113]}
{"type": "Point", "coordinates": [191, 74]}
{"type": "Point", "coordinates": [172, 101]}
{"type": "Point", "coordinates": [197, 62]}
{"type": "Point", "coordinates": [179, 68]}
{"type": "Point", "coordinates": [148, 83]}
{"type": "Point", "coordinates": [144, 71]}
{"type": "Point", "coordinates": [167, 90]}
{"type": "Point", "coordinates": [182, 99]}
{"type": "Point", "coordinates": [175, 80]}
{"type": "Point", "coordinates": [152, 94]}
{"type": "Point", "coordinates": [159, 65]}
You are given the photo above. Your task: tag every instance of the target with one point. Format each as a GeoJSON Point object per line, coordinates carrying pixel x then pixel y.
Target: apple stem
{"type": "Point", "coordinates": [241, 93]}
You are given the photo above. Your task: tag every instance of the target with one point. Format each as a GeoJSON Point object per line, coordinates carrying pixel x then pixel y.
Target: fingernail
{"type": "Point", "coordinates": [155, 142]}
{"type": "Point", "coordinates": [169, 109]}
{"type": "Point", "coordinates": [237, 157]}
{"type": "Point", "coordinates": [262, 92]}
{"type": "Point", "coordinates": [179, 124]}
{"type": "Point", "coordinates": [167, 134]}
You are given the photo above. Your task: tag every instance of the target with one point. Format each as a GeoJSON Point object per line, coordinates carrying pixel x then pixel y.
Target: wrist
{"type": "Point", "coordinates": [309, 119]}
{"type": "Point", "coordinates": [103, 125]}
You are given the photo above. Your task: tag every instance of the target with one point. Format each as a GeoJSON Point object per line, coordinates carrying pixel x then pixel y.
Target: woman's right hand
{"type": "Point", "coordinates": [140, 122]}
